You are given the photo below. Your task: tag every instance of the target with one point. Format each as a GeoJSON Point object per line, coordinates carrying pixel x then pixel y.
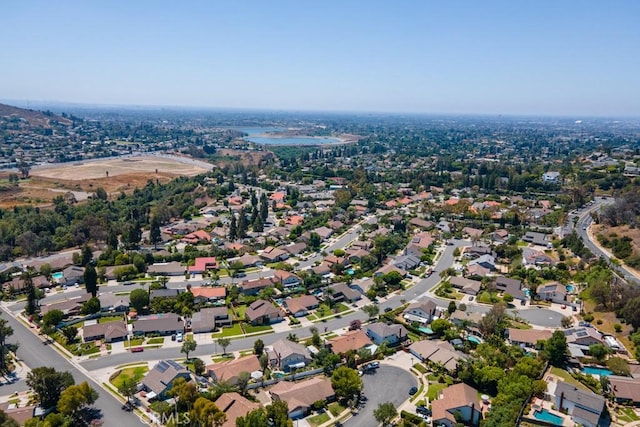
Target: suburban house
{"type": "Point", "coordinates": [340, 292]}
{"type": "Point", "coordinates": [68, 307]}
{"type": "Point", "coordinates": [286, 278]}
{"type": "Point", "coordinates": [438, 352]}
{"type": "Point", "coordinates": [465, 318]}
{"type": "Point", "coordinates": [466, 286]}
{"type": "Point", "coordinates": [538, 239]}
{"type": "Point", "coordinates": [209, 319]}
{"type": "Point", "coordinates": [263, 312]}
{"type": "Point", "coordinates": [113, 303]}
{"type": "Point", "coordinates": [625, 390]}
{"type": "Point", "coordinates": [301, 395]}
{"type": "Point", "coordinates": [203, 264]}
{"type": "Point", "coordinates": [300, 306]}
{"type": "Point", "coordinates": [459, 400]}
{"type": "Point", "coordinates": [235, 406]}
{"type": "Point", "coordinates": [296, 248]}
{"type": "Point", "coordinates": [230, 370]}
{"type": "Point", "coordinates": [323, 270]}
{"type": "Point", "coordinates": [253, 287]}
{"type": "Point", "coordinates": [271, 254]}
{"type": "Point", "coordinates": [160, 379]}
{"type": "Point", "coordinates": [172, 268]}
{"type": "Point", "coordinates": [583, 336]}
{"type": "Point", "coordinates": [288, 355]}
{"type": "Point", "coordinates": [527, 337]}
{"type": "Point", "coordinates": [332, 260]}
{"type": "Point", "coordinates": [584, 407]}
{"type": "Point", "coordinates": [16, 285]}
{"type": "Point", "coordinates": [164, 293]}
{"type": "Point", "coordinates": [512, 287]}
{"type": "Point", "coordinates": [554, 292]}
{"type": "Point", "coordinates": [323, 232]}
{"type": "Point", "coordinates": [422, 312]}
{"type": "Point", "coordinates": [421, 223]}
{"type": "Point", "coordinates": [73, 274]}
{"type": "Point", "coordinates": [406, 262]}
{"type": "Point", "coordinates": [109, 332]}
{"type": "Point", "coordinates": [208, 294]}
{"type": "Point", "coordinates": [551, 176]}
{"type": "Point", "coordinates": [485, 261]}
{"type": "Point", "coordinates": [386, 269]}
{"type": "Point", "coordinates": [352, 340]}
{"type": "Point", "coordinates": [247, 260]}
{"type": "Point", "coordinates": [390, 334]}
{"type": "Point", "coordinates": [533, 258]}
{"type": "Point", "coordinates": [161, 324]}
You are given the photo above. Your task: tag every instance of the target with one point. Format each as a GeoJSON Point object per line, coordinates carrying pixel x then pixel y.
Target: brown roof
{"type": "Point", "coordinates": [302, 394]}
{"type": "Point", "coordinates": [256, 284]}
{"type": "Point", "coordinates": [301, 303]}
{"type": "Point", "coordinates": [261, 308]}
{"type": "Point", "coordinates": [229, 370]}
{"type": "Point", "coordinates": [234, 406]}
{"type": "Point", "coordinates": [528, 336]}
{"type": "Point", "coordinates": [110, 330]}
{"type": "Point", "coordinates": [625, 388]}
{"type": "Point", "coordinates": [353, 340]}
{"type": "Point", "coordinates": [453, 397]}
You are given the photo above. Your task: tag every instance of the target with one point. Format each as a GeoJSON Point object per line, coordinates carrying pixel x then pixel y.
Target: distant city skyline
{"type": "Point", "coordinates": [571, 58]}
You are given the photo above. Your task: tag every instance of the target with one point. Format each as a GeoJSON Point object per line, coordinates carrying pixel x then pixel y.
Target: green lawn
{"type": "Point", "coordinates": [627, 415]}
{"type": "Point", "coordinates": [236, 329]}
{"type": "Point", "coordinates": [134, 342]}
{"type": "Point", "coordinates": [336, 409]}
{"type": "Point", "coordinates": [135, 373]}
{"type": "Point", "coordinates": [239, 312]}
{"type": "Point", "coordinates": [319, 419]}
{"type": "Point", "coordinates": [249, 329]}
{"type": "Point", "coordinates": [156, 340]}
{"type": "Point", "coordinates": [109, 319]}
{"type": "Point", "coordinates": [566, 376]}
{"type": "Point", "coordinates": [434, 390]}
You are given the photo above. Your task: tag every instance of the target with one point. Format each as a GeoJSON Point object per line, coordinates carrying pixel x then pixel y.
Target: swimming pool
{"type": "Point", "coordinates": [593, 370]}
{"type": "Point", "coordinates": [425, 330]}
{"type": "Point", "coordinates": [570, 288]}
{"type": "Point", "coordinates": [57, 276]}
{"type": "Point", "coordinates": [544, 415]}
{"type": "Point", "coordinates": [351, 271]}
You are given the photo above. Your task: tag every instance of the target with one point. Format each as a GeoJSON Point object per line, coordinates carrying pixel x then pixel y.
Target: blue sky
{"type": "Point", "coordinates": [486, 57]}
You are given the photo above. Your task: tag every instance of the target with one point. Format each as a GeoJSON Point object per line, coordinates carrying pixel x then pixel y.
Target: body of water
{"type": "Point", "coordinates": [593, 370]}
{"type": "Point", "coordinates": [544, 415]}
{"type": "Point", "coordinates": [260, 136]}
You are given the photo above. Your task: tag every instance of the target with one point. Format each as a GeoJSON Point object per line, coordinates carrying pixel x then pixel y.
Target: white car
{"type": "Point", "coordinates": [179, 337]}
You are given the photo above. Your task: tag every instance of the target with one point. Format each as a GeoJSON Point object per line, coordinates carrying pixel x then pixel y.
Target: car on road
{"type": "Point", "coordinates": [563, 306]}
{"type": "Point", "coordinates": [413, 390]}
{"type": "Point", "coordinates": [388, 309]}
{"type": "Point", "coordinates": [137, 350]}
{"type": "Point", "coordinates": [471, 298]}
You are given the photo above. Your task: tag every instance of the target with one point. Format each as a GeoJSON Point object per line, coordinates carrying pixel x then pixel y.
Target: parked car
{"type": "Point", "coordinates": [423, 410]}
{"type": "Point", "coordinates": [173, 337]}
{"type": "Point", "coordinates": [179, 337]}
{"type": "Point", "coordinates": [413, 390]}
{"type": "Point", "coordinates": [137, 349]}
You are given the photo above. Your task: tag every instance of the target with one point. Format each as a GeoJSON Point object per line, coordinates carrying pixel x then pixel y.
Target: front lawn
{"type": "Point", "coordinates": [250, 329]}
{"type": "Point", "coordinates": [156, 340]}
{"type": "Point", "coordinates": [319, 419]}
{"type": "Point", "coordinates": [434, 390]}
{"type": "Point", "coordinates": [231, 331]}
{"type": "Point", "coordinates": [336, 409]}
{"type": "Point", "coordinates": [134, 373]}
{"type": "Point", "coordinates": [134, 342]}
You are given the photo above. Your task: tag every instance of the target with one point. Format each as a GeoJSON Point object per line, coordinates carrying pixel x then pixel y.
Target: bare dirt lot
{"type": "Point", "coordinates": [122, 166]}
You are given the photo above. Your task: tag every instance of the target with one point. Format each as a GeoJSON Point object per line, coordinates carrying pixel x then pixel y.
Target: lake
{"type": "Point", "coordinates": [260, 136]}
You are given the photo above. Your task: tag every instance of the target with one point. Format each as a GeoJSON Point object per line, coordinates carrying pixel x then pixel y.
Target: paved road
{"type": "Point", "coordinates": [388, 384]}
{"type": "Point", "coordinates": [584, 221]}
{"type": "Point", "coordinates": [34, 353]}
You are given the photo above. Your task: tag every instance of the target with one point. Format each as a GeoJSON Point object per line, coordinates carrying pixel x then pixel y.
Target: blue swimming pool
{"type": "Point", "coordinates": [57, 276]}
{"type": "Point", "coordinates": [592, 370]}
{"type": "Point", "coordinates": [425, 330]}
{"type": "Point", "coordinates": [351, 271]}
{"type": "Point", "coordinates": [570, 288]}
{"type": "Point", "coordinates": [544, 415]}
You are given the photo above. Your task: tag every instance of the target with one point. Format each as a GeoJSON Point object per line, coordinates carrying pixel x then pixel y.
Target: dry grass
{"type": "Point", "coordinates": [609, 319]}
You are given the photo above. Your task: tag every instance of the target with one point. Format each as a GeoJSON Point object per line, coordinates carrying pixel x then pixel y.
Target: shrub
{"type": "Point", "coordinates": [588, 317]}
{"type": "Point", "coordinates": [617, 327]}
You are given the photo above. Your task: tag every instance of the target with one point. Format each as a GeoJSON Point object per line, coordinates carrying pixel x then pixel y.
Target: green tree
{"type": "Point", "coordinates": [278, 414]}
{"type": "Point", "coordinates": [631, 312]}
{"type": "Point", "coordinates": [385, 413]}
{"type": "Point", "coordinates": [206, 413]}
{"type": "Point", "coordinates": [91, 280]}
{"type": "Point", "coordinates": [48, 384]}
{"type": "Point", "coordinates": [258, 347]}
{"type": "Point", "coordinates": [92, 306]}
{"type": "Point", "coordinates": [224, 343]}
{"type": "Point", "coordinates": [618, 365]}
{"type": "Point", "coordinates": [52, 318]}
{"type": "Point", "coordinates": [556, 349]}
{"type": "Point", "coordinates": [440, 326]}
{"type": "Point", "coordinates": [75, 398]}
{"type": "Point", "coordinates": [6, 421]}
{"type": "Point", "coordinates": [188, 346]}
{"type": "Point", "coordinates": [346, 382]}
{"type": "Point", "coordinates": [452, 307]}
{"type": "Point", "coordinates": [139, 299]}
{"type": "Point", "coordinates": [85, 255]}
{"type": "Point", "coordinates": [128, 388]}
{"type": "Point", "coordinates": [599, 351]}
{"type": "Point", "coordinates": [198, 366]}
{"type": "Point", "coordinates": [243, 382]}
{"type": "Point", "coordinates": [5, 331]}
{"type": "Point", "coordinates": [314, 241]}
{"type": "Point", "coordinates": [233, 228]}
{"type": "Point", "coordinates": [155, 236]}
{"type": "Point", "coordinates": [372, 310]}
{"type": "Point", "coordinates": [32, 298]}
{"type": "Point", "coordinates": [70, 333]}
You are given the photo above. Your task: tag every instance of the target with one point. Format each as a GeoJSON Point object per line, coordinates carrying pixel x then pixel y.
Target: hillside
{"type": "Point", "coordinates": [34, 118]}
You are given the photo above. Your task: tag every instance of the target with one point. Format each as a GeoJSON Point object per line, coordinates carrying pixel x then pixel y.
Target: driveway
{"type": "Point", "coordinates": [387, 384]}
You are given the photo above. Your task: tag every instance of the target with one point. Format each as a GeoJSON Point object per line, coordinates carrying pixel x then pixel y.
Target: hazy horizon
{"type": "Point", "coordinates": [556, 59]}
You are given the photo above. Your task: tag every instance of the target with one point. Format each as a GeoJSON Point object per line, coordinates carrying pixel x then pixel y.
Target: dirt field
{"type": "Point", "coordinates": [150, 166]}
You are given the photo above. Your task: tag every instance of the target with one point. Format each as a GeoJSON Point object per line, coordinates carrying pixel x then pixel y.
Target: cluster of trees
{"type": "Point", "coordinates": [58, 390]}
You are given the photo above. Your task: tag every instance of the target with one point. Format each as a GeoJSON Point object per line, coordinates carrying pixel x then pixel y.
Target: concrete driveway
{"type": "Point", "coordinates": [387, 384]}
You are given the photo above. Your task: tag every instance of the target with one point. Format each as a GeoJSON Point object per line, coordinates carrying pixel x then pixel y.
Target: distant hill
{"type": "Point", "coordinates": [34, 118]}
